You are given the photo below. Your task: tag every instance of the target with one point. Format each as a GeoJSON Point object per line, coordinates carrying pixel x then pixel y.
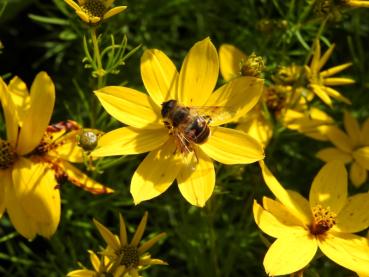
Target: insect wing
{"type": "Point", "coordinates": [213, 114]}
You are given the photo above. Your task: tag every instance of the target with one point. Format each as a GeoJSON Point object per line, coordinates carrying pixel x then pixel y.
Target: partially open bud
{"type": "Point", "coordinates": [253, 66]}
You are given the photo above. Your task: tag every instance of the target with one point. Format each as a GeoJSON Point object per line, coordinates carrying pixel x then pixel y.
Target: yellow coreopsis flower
{"type": "Point", "coordinates": [351, 147]}
{"type": "Point", "coordinates": [102, 267]}
{"type": "Point", "coordinates": [127, 258]}
{"type": "Point", "coordinates": [184, 151]}
{"type": "Point", "coordinates": [311, 123]}
{"type": "Point", "coordinates": [320, 81]}
{"type": "Point", "coordinates": [326, 221]}
{"type": "Point", "coordinates": [29, 168]}
{"type": "Point", "coordinates": [95, 11]}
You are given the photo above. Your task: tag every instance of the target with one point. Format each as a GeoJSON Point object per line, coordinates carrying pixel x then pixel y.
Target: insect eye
{"type": "Point", "coordinates": [167, 106]}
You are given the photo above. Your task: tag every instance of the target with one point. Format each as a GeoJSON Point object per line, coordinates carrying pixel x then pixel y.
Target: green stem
{"type": "Point", "coordinates": [99, 71]}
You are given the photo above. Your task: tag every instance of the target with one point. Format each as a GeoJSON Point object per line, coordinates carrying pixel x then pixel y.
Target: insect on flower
{"type": "Point", "coordinates": [188, 125]}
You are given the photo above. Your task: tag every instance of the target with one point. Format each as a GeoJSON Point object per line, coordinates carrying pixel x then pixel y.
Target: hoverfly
{"type": "Point", "coordinates": [189, 125]}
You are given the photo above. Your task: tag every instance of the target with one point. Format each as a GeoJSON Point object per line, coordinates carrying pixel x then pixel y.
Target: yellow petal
{"type": "Point", "coordinates": [294, 202]}
{"type": "Point", "coordinates": [196, 180]}
{"type": "Point", "coordinates": [94, 259]}
{"type": "Point", "coordinates": [326, 56]}
{"type": "Point", "coordinates": [334, 70]}
{"type": "Point", "coordinates": [150, 243]}
{"type": "Point", "coordinates": [20, 97]}
{"type": "Point", "coordinates": [82, 273]}
{"type": "Point", "coordinates": [10, 115]}
{"type": "Point", "coordinates": [358, 174]}
{"type": "Point", "coordinates": [273, 226]}
{"type": "Point", "coordinates": [5, 180]}
{"type": "Point", "coordinates": [68, 149]}
{"type": "Point", "coordinates": [130, 107]}
{"type": "Point", "coordinates": [315, 64]}
{"type": "Point", "coordinates": [139, 231]}
{"type": "Point", "coordinates": [338, 81]}
{"type": "Point", "coordinates": [339, 138]}
{"type": "Point", "coordinates": [159, 75]}
{"type": "Point", "coordinates": [322, 94]}
{"type": "Point", "coordinates": [362, 157]}
{"type": "Point", "coordinates": [358, 4]}
{"type": "Point", "coordinates": [36, 188]}
{"type": "Point", "coordinates": [79, 179]}
{"type": "Point", "coordinates": [290, 254]}
{"type": "Point", "coordinates": [21, 220]}
{"type": "Point", "coordinates": [114, 11]}
{"type": "Point", "coordinates": [72, 4]}
{"type": "Point", "coordinates": [335, 94]}
{"type": "Point", "coordinates": [257, 127]}
{"type": "Point", "coordinates": [281, 212]}
{"type": "Point", "coordinates": [39, 114]}
{"type": "Point", "coordinates": [365, 132]}
{"type": "Point", "coordinates": [129, 140]}
{"type": "Point", "coordinates": [230, 146]}
{"type": "Point", "coordinates": [348, 250]}
{"type": "Point", "coordinates": [354, 216]}
{"type": "Point", "coordinates": [155, 173]}
{"type": "Point", "coordinates": [122, 231]}
{"type": "Point", "coordinates": [110, 239]}
{"type": "Point", "coordinates": [230, 58]}
{"type": "Point", "coordinates": [199, 74]}
{"type": "Point", "coordinates": [235, 98]}
{"type": "Point", "coordinates": [329, 188]}
{"type": "Point", "coordinates": [331, 154]}
{"type": "Point", "coordinates": [85, 17]}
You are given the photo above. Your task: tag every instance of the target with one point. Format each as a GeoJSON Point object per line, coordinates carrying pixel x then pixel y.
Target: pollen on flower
{"type": "Point", "coordinates": [7, 154]}
{"type": "Point", "coordinates": [129, 256]}
{"type": "Point", "coordinates": [324, 219]}
{"type": "Point", "coordinates": [253, 66]}
{"type": "Point", "coordinates": [94, 8]}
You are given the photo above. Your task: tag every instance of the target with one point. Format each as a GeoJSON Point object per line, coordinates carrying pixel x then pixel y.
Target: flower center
{"type": "Point", "coordinates": [129, 256]}
{"type": "Point", "coordinates": [94, 8]}
{"type": "Point", "coordinates": [253, 66]}
{"type": "Point", "coordinates": [324, 219]}
{"type": "Point", "coordinates": [7, 155]}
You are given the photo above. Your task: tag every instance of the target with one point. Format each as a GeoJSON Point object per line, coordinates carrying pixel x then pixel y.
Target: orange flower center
{"type": "Point", "coordinates": [129, 256]}
{"type": "Point", "coordinates": [324, 219]}
{"type": "Point", "coordinates": [7, 154]}
{"type": "Point", "coordinates": [94, 8]}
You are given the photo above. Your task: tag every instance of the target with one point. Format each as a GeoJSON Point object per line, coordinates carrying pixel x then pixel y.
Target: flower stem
{"type": "Point", "coordinates": [100, 73]}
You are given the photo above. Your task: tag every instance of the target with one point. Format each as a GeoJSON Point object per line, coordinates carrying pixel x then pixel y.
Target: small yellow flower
{"type": "Point", "coordinates": [95, 11]}
{"type": "Point", "coordinates": [356, 3]}
{"type": "Point", "coordinates": [191, 87]}
{"type": "Point", "coordinates": [320, 81]}
{"type": "Point", "coordinates": [28, 167]}
{"type": "Point", "coordinates": [351, 147]}
{"type": "Point", "coordinates": [129, 256]}
{"type": "Point", "coordinates": [234, 63]}
{"type": "Point", "coordinates": [311, 123]}
{"type": "Point", "coordinates": [326, 221]}
{"type": "Point", "coordinates": [102, 267]}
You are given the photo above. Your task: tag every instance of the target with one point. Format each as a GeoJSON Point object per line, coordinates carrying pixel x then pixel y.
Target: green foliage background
{"type": "Point", "coordinates": [222, 238]}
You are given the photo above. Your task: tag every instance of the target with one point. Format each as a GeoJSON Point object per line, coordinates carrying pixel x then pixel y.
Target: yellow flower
{"type": "Point", "coordinates": [356, 3]}
{"type": "Point", "coordinates": [326, 221]}
{"type": "Point", "coordinates": [234, 63]}
{"type": "Point", "coordinates": [102, 267]}
{"type": "Point", "coordinates": [170, 157]}
{"type": "Point", "coordinates": [352, 147]}
{"type": "Point", "coordinates": [311, 123]}
{"type": "Point", "coordinates": [95, 11]}
{"type": "Point", "coordinates": [130, 256]}
{"type": "Point", "coordinates": [320, 81]}
{"type": "Point", "coordinates": [28, 167]}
